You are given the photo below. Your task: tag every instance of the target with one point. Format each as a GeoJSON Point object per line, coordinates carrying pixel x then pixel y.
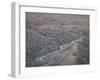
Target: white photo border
{"type": "Point", "coordinates": [18, 67]}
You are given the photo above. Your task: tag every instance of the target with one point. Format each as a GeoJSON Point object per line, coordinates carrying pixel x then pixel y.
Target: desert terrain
{"type": "Point", "coordinates": [56, 39]}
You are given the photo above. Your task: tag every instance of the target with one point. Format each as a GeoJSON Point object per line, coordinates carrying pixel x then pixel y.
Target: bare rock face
{"type": "Point", "coordinates": [83, 52]}
{"type": "Point", "coordinates": [56, 39]}
{"type": "Point", "coordinates": [45, 49]}
{"type": "Point", "coordinates": [64, 56]}
{"type": "Point", "coordinates": [69, 54]}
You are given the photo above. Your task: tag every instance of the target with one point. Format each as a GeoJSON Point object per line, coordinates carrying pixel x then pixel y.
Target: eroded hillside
{"type": "Point", "coordinates": [46, 32]}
